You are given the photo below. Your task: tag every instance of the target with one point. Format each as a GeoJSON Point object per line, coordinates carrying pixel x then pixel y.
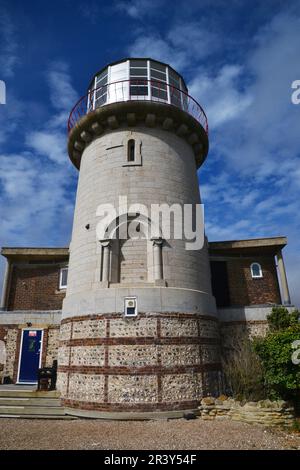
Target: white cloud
{"type": "Point", "coordinates": [34, 200]}
{"type": "Point", "coordinates": [157, 48]}
{"type": "Point", "coordinates": [194, 39]}
{"type": "Point", "coordinates": [62, 93]}
{"type": "Point", "coordinates": [51, 145]}
{"type": "Point", "coordinates": [50, 141]}
{"type": "Point", "coordinates": [268, 130]}
{"type": "Point", "coordinates": [220, 95]}
{"type": "Point", "coordinates": [255, 139]}
{"type": "Point", "coordinates": [37, 184]}
{"type": "Point", "coordinates": [182, 46]}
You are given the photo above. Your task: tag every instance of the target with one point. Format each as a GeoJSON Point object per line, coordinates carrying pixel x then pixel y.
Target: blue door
{"type": "Point", "coordinates": [30, 355]}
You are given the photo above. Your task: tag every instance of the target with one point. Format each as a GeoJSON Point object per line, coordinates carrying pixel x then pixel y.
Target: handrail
{"type": "Point", "coordinates": [124, 90]}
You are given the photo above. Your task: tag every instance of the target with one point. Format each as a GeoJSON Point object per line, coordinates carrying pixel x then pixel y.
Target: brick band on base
{"type": "Point", "coordinates": [151, 363]}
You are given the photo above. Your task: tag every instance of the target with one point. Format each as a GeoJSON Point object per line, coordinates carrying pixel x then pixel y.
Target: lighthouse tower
{"type": "Point", "coordinates": [139, 333]}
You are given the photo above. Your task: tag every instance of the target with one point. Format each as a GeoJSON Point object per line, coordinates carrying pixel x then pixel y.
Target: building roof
{"type": "Point", "coordinates": [253, 245]}
{"type": "Point", "coordinates": [40, 253]}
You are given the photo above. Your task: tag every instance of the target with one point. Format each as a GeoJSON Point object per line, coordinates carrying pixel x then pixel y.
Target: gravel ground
{"type": "Point", "coordinates": [154, 435]}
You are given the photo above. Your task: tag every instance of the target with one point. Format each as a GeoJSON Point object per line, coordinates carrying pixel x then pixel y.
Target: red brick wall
{"type": "Point", "coordinates": [35, 288]}
{"type": "Point", "coordinates": [244, 290]}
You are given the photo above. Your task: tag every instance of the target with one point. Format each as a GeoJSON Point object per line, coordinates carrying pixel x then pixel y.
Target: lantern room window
{"type": "Point", "coordinates": [137, 79]}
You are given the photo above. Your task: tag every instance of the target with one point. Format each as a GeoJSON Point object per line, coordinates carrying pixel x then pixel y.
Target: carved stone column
{"type": "Point", "coordinates": [157, 258]}
{"type": "Point", "coordinates": [106, 244]}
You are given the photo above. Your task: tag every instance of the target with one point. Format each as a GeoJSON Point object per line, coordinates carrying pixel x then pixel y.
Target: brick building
{"type": "Point", "coordinates": [138, 323]}
{"type": "Point", "coordinates": [36, 280]}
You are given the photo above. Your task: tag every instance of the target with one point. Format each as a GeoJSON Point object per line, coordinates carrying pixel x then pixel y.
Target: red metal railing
{"type": "Point", "coordinates": [137, 90]}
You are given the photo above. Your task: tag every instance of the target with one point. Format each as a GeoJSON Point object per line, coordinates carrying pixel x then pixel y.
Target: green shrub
{"type": "Point", "coordinates": [263, 368]}
{"type": "Point", "coordinates": [282, 377]}
{"type": "Point", "coordinates": [280, 318]}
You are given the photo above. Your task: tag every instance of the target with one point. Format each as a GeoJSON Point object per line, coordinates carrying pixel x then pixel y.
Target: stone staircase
{"type": "Point", "coordinates": [23, 404]}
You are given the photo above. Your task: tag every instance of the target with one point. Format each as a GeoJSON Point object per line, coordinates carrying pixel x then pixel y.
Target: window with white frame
{"type": "Point", "coordinates": [138, 78]}
{"type": "Point", "coordinates": [256, 270]}
{"type": "Point", "coordinates": [101, 89]}
{"type": "Point", "coordinates": [63, 278]}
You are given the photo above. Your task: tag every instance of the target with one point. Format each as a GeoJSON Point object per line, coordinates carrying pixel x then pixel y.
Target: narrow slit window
{"type": "Point", "coordinates": [131, 150]}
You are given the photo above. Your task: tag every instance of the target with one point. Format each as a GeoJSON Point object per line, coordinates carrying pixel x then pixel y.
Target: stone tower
{"type": "Point", "coordinates": [139, 333]}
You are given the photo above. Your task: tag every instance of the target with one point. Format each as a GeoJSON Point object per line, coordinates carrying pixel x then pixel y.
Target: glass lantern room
{"type": "Point", "coordinates": [137, 79]}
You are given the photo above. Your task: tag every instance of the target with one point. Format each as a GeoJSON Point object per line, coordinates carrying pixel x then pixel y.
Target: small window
{"type": "Point", "coordinates": [256, 270]}
{"type": "Point", "coordinates": [131, 151]}
{"type": "Point", "coordinates": [63, 278]}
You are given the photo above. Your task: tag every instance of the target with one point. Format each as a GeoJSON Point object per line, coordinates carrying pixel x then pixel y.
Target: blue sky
{"type": "Point", "coordinates": [239, 59]}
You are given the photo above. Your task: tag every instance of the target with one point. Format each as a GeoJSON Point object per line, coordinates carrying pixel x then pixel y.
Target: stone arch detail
{"type": "Point", "coordinates": [131, 260]}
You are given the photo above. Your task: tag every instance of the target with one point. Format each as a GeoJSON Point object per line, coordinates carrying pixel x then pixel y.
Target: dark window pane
{"type": "Point", "coordinates": [256, 272]}
{"type": "Point", "coordinates": [138, 63]}
{"type": "Point", "coordinates": [103, 81]}
{"type": "Point", "coordinates": [138, 72]}
{"type": "Point", "coordinates": [102, 77]}
{"type": "Point", "coordinates": [100, 101]}
{"type": "Point", "coordinates": [101, 91]}
{"type": "Point", "coordinates": [176, 101]}
{"type": "Point", "coordinates": [136, 90]}
{"type": "Point", "coordinates": [159, 75]}
{"type": "Point", "coordinates": [130, 311]}
{"type": "Point", "coordinates": [174, 83]}
{"type": "Point", "coordinates": [64, 277]}
{"type": "Point", "coordinates": [157, 66]}
{"type": "Point", "coordinates": [175, 96]}
{"type": "Point", "coordinates": [158, 85]}
{"type": "Point", "coordinates": [138, 82]}
{"type": "Point", "coordinates": [131, 150]}
{"type": "Point", "coordinates": [159, 93]}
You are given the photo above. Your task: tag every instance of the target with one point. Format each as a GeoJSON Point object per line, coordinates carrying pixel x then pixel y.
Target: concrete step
{"type": "Point", "coordinates": [28, 393]}
{"type": "Point", "coordinates": [30, 403]}
{"type": "Point", "coordinates": [21, 401]}
{"type": "Point", "coordinates": [32, 410]}
{"type": "Point", "coordinates": [33, 416]}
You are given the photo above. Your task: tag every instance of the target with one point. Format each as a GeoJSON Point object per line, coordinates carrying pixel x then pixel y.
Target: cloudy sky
{"type": "Point", "coordinates": [239, 58]}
